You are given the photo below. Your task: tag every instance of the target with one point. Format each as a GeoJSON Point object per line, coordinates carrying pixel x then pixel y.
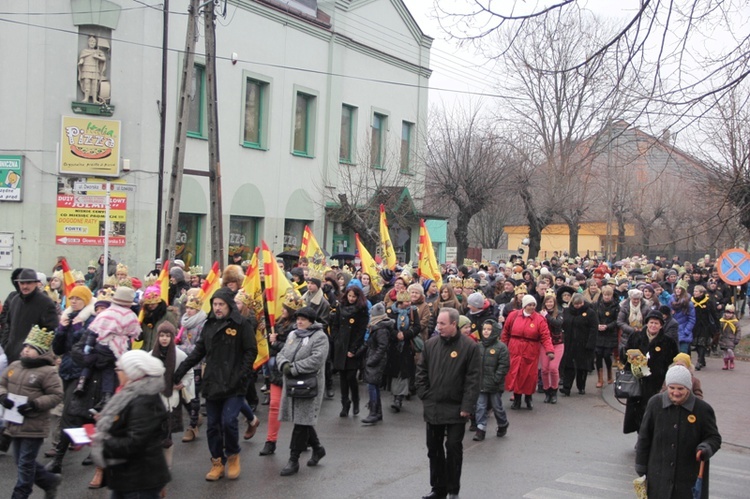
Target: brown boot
{"type": "Point", "coordinates": [600, 381]}
{"type": "Point", "coordinates": [233, 466]}
{"type": "Point", "coordinates": [98, 480]}
{"type": "Point", "coordinates": [216, 471]}
{"type": "Point", "coordinates": [252, 427]}
{"type": "Point", "coordinates": [190, 434]}
{"type": "Point", "coordinates": [610, 379]}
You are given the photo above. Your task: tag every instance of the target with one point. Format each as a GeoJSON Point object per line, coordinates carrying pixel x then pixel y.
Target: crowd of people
{"type": "Point", "coordinates": [113, 352]}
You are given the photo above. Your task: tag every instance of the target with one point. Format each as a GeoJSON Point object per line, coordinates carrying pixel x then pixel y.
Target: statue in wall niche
{"type": "Point", "coordinates": [91, 65]}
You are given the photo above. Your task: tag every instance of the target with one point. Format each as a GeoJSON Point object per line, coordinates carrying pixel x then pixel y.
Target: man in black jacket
{"type": "Point", "coordinates": [228, 344]}
{"type": "Point", "coordinates": [30, 307]}
{"type": "Point", "coordinates": [448, 384]}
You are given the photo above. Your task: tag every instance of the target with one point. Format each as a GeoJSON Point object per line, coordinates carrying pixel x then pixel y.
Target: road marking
{"type": "Point", "coordinates": [545, 493]}
{"type": "Point", "coordinates": [596, 482]}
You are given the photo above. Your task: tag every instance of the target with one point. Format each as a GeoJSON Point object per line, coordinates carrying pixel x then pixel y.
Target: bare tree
{"type": "Point", "coordinates": [487, 227]}
{"type": "Point", "coordinates": [465, 159]}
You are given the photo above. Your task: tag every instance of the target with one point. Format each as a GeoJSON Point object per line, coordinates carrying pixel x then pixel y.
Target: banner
{"type": "Point", "coordinates": [90, 146]}
{"type": "Point", "coordinates": [80, 217]}
{"type": "Point", "coordinates": [251, 286]}
{"type": "Point", "coordinates": [277, 285]}
{"type": "Point", "coordinates": [209, 287]}
{"type": "Point", "coordinates": [428, 266]}
{"type": "Point", "coordinates": [369, 266]}
{"type": "Point", "coordinates": [311, 249]}
{"type": "Point", "coordinates": [386, 247]}
{"type": "Point", "coordinates": [11, 178]}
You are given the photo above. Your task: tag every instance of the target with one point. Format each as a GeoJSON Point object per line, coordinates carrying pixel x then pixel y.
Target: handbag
{"type": "Point", "coordinates": [627, 386]}
{"type": "Point", "coordinates": [302, 386]}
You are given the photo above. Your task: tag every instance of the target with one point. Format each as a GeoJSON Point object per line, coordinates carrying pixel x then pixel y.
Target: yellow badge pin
{"type": "Point", "coordinates": [454, 354]}
{"type": "Point", "coordinates": [691, 418]}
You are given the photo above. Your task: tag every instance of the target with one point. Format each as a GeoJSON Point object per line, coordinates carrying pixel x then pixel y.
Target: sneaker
{"type": "Point", "coordinates": [479, 436]}
{"type": "Point", "coordinates": [502, 431]}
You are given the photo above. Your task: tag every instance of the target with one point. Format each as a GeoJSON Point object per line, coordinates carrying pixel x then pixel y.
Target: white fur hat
{"type": "Point", "coordinates": [137, 363]}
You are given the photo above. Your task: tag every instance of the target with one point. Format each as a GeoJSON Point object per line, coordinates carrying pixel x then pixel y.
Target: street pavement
{"type": "Point", "coordinates": [574, 449]}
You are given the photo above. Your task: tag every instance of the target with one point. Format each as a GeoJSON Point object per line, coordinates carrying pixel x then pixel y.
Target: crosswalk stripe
{"type": "Point", "coordinates": [596, 482]}
{"type": "Point", "coordinates": [546, 493]}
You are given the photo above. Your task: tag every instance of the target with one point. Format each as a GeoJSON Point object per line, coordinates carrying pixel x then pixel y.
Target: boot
{"type": "Point", "coordinates": [565, 391]}
{"type": "Point", "coordinates": [266, 399]}
{"type": "Point", "coordinates": [51, 491]}
{"type": "Point", "coordinates": [317, 454]}
{"type": "Point", "coordinates": [548, 395]}
{"type": "Point", "coordinates": [726, 365]}
{"type": "Point", "coordinates": [81, 386]}
{"type": "Point", "coordinates": [216, 471]}
{"type": "Point", "coordinates": [731, 363]}
{"type": "Point", "coordinates": [396, 405]}
{"type": "Point", "coordinates": [600, 381]}
{"type": "Point", "coordinates": [553, 396]}
{"type": "Point", "coordinates": [380, 410]}
{"type": "Point", "coordinates": [610, 379]}
{"type": "Point", "coordinates": [344, 408]}
{"type": "Point", "coordinates": [55, 466]}
{"type": "Point", "coordinates": [528, 402]}
{"type": "Point", "coordinates": [233, 466]}
{"type": "Point", "coordinates": [98, 481]}
{"type": "Point", "coordinates": [502, 430]}
{"type": "Point", "coordinates": [268, 449]}
{"type": "Point", "coordinates": [355, 407]}
{"type": "Point", "coordinates": [371, 418]}
{"type": "Point", "coordinates": [190, 434]}
{"type": "Point", "coordinates": [473, 423]}
{"type": "Point", "coordinates": [479, 436]}
{"type": "Point", "coordinates": [252, 427]}
{"type": "Point", "coordinates": [292, 467]}
{"type": "Point", "coordinates": [516, 402]}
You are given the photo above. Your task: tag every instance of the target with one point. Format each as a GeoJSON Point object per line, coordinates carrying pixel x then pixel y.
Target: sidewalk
{"type": "Point", "coordinates": [726, 391]}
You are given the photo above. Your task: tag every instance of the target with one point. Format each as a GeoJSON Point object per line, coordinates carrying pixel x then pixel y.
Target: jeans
{"type": "Point", "coordinates": [445, 463]}
{"type": "Point", "coordinates": [30, 472]}
{"type": "Point", "coordinates": [374, 392]}
{"type": "Point", "coordinates": [685, 347]}
{"type": "Point", "coordinates": [496, 402]}
{"type": "Point", "coordinates": [138, 494]}
{"type": "Point", "coordinates": [246, 410]}
{"type": "Point", "coordinates": [222, 430]}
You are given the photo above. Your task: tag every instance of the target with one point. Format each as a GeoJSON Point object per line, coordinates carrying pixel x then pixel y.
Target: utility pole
{"type": "Point", "coordinates": [183, 117]}
{"type": "Point", "coordinates": [214, 163]}
{"type": "Point", "coordinates": [162, 122]}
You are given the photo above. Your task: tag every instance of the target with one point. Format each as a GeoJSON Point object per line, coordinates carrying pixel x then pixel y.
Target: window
{"type": "Point", "coordinates": [197, 93]}
{"type": "Point", "coordinates": [406, 129]}
{"type": "Point", "coordinates": [304, 124]}
{"type": "Point", "coordinates": [243, 236]}
{"type": "Point", "coordinates": [348, 120]}
{"type": "Point", "coordinates": [377, 151]}
{"type": "Point", "coordinates": [256, 104]}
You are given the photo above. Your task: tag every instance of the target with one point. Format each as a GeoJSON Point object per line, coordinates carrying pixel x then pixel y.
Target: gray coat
{"type": "Point", "coordinates": [310, 358]}
{"type": "Point", "coordinates": [622, 320]}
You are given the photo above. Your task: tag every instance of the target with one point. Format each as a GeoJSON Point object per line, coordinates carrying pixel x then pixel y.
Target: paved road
{"type": "Point", "coordinates": [574, 449]}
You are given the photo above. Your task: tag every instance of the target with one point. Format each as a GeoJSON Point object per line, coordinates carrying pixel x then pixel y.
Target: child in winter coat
{"type": "Point", "coordinates": [381, 330]}
{"type": "Point", "coordinates": [730, 336]}
{"type": "Point", "coordinates": [495, 363]}
{"type": "Point", "coordinates": [191, 326]}
{"type": "Point", "coordinates": [33, 376]}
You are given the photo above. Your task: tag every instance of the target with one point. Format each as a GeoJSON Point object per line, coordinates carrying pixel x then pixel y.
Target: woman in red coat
{"type": "Point", "coordinates": [524, 332]}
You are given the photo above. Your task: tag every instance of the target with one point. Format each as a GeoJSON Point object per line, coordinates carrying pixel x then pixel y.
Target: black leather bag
{"type": "Point", "coordinates": [627, 386]}
{"type": "Point", "coordinates": [304, 386]}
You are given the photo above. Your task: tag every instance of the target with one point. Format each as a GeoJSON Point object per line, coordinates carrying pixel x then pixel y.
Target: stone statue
{"type": "Point", "coordinates": [91, 65]}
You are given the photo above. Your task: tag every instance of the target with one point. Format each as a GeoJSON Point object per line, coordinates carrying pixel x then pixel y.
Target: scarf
{"type": "Point", "coordinates": [148, 385]}
{"type": "Point", "coordinates": [732, 323]}
{"type": "Point", "coordinates": [168, 357]}
{"type": "Point", "coordinates": [635, 319]}
{"type": "Point", "coordinates": [702, 303]}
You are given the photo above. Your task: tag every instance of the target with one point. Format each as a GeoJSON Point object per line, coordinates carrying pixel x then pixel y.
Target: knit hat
{"type": "Point", "coordinates": [527, 300]}
{"type": "Point", "coordinates": [152, 295]}
{"type": "Point", "coordinates": [166, 327]}
{"type": "Point", "coordinates": [682, 284]}
{"type": "Point", "coordinates": [684, 358]}
{"type": "Point", "coordinates": [377, 310]}
{"type": "Point", "coordinates": [177, 273]}
{"type": "Point", "coordinates": [41, 277]}
{"type": "Point", "coordinates": [475, 300]}
{"type": "Point", "coordinates": [679, 375]}
{"type": "Point", "coordinates": [40, 339]}
{"type": "Point", "coordinates": [124, 297]}
{"type": "Point", "coordinates": [387, 275]}
{"type": "Point", "coordinates": [82, 292]}
{"type": "Point", "coordinates": [426, 285]}
{"type": "Point", "coordinates": [463, 321]}
{"type": "Point", "coordinates": [316, 281]}
{"type": "Point", "coordinates": [179, 263]}
{"type": "Point", "coordinates": [137, 364]}
{"type": "Point", "coordinates": [729, 308]}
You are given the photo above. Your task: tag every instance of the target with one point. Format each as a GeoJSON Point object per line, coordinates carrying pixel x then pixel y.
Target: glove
{"type": "Point", "coordinates": [6, 402]}
{"type": "Point", "coordinates": [704, 448]}
{"type": "Point", "coordinates": [27, 408]}
{"type": "Point", "coordinates": [287, 369]}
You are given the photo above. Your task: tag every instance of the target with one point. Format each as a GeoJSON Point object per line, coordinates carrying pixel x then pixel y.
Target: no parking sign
{"type": "Point", "coordinates": [734, 266]}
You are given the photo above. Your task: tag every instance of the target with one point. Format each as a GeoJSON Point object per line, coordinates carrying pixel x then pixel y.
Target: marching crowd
{"type": "Point", "coordinates": [113, 352]}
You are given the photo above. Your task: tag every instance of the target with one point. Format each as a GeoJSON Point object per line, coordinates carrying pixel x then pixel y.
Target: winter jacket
{"type": "Point", "coordinates": [348, 326]}
{"type": "Point", "coordinates": [623, 322]}
{"type": "Point", "coordinates": [377, 351]}
{"type": "Point", "coordinates": [477, 320]}
{"type": "Point", "coordinates": [667, 445]}
{"type": "Point", "coordinates": [580, 326]}
{"type": "Point", "coordinates": [36, 379]}
{"type": "Point", "coordinates": [97, 282]}
{"type": "Point", "coordinates": [97, 361]}
{"type": "Point", "coordinates": [672, 330]}
{"type": "Point", "coordinates": [136, 437]}
{"type": "Point", "coordinates": [447, 379]}
{"type": "Point", "coordinates": [149, 328]}
{"type": "Point", "coordinates": [306, 351]}
{"type": "Point", "coordinates": [606, 314]}
{"type": "Point", "coordinates": [425, 318]}
{"type": "Point", "coordinates": [494, 361]}
{"type": "Point", "coordinates": [665, 298]}
{"type": "Point", "coordinates": [400, 352]}
{"type": "Point", "coordinates": [706, 321]}
{"type": "Point", "coordinates": [190, 331]}
{"type": "Point", "coordinates": [229, 347]}
{"type": "Point", "coordinates": [686, 321]}
{"type": "Point", "coordinates": [731, 333]}
{"type": "Point", "coordinates": [524, 335]}
{"type": "Point", "coordinates": [25, 311]}
{"type": "Point", "coordinates": [67, 336]}
{"type": "Point", "coordinates": [321, 306]}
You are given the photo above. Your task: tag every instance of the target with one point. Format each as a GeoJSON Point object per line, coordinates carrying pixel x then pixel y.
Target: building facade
{"type": "Point", "coordinates": [313, 97]}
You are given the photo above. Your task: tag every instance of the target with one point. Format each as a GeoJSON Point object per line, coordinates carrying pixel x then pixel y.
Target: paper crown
{"type": "Point", "coordinates": [469, 283]}
{"type": "Point", "coordinates": [40, 339]}
{"type": "Point", "coordinates": [127, 282]}
{"type": "Point", "coordinates": [58, 274]}
{"type": "Point", "coordinates": [292, 301]}
{"type": "Point", "coordinates": [403, 296]}
{"type": "Point", "coordinates": [111, 281]}
{"type": "Point", "coordinates": [245, 298]}
{"type": "Point", "coordinates": [152, 296]}
{"type": "Point", "coordinates": [194, 302]}
{"type": "Point", "coordinates": [150, 280]}
{"type": "Point", "coordinates": [550, 292]}
{"type": "Point", "coordinates": [121, 267]}
{"type": "Point", "coordinates": [520, 289]}
{"type": "Point", "coordinates": [196, 270]}
{"type": "Point", "coordinates": [78, 275]}
{"type": "Point", "coordinates": [92, 264]}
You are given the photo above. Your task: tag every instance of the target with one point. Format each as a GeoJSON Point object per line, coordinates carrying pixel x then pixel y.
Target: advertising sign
{"type": "Point", "coordinates": [11, 178]}
{"type": "Point", "coordinates": [90, 146]}
{"type": "Point", "coordinates": [80, 216]}
{"type": "Point", "coordinates": [6, 250]}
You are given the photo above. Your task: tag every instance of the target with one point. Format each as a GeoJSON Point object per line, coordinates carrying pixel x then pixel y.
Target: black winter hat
{"type": "Point", "coordinates": [654, 314]}
{"type": "Point", "coordinates": [307, 313]}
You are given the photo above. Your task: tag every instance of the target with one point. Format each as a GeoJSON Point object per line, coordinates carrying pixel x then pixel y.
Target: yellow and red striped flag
{"type": "Point", "coordinates": [428, 266]}
{"type": "Point", "coordinates": [368, 264]}
{"type": "Point", "coordinates": [311, 249]}
{"type": "Point", "coordinates": [277, 285]}
{"type": "Point", "coordinates": [210, 285]}
{"type": "Point", "coordinates": [251, 287]}
{"type": "Point", "coordinates": [69, 281]}
{"type": "Point", "coordinates": [387, 253]}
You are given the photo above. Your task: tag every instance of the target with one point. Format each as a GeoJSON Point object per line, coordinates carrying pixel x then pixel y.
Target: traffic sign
{"type": "Point", "coordinates": [97, 186]}
{"type": "Point", "coordinates": [734, 266]}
